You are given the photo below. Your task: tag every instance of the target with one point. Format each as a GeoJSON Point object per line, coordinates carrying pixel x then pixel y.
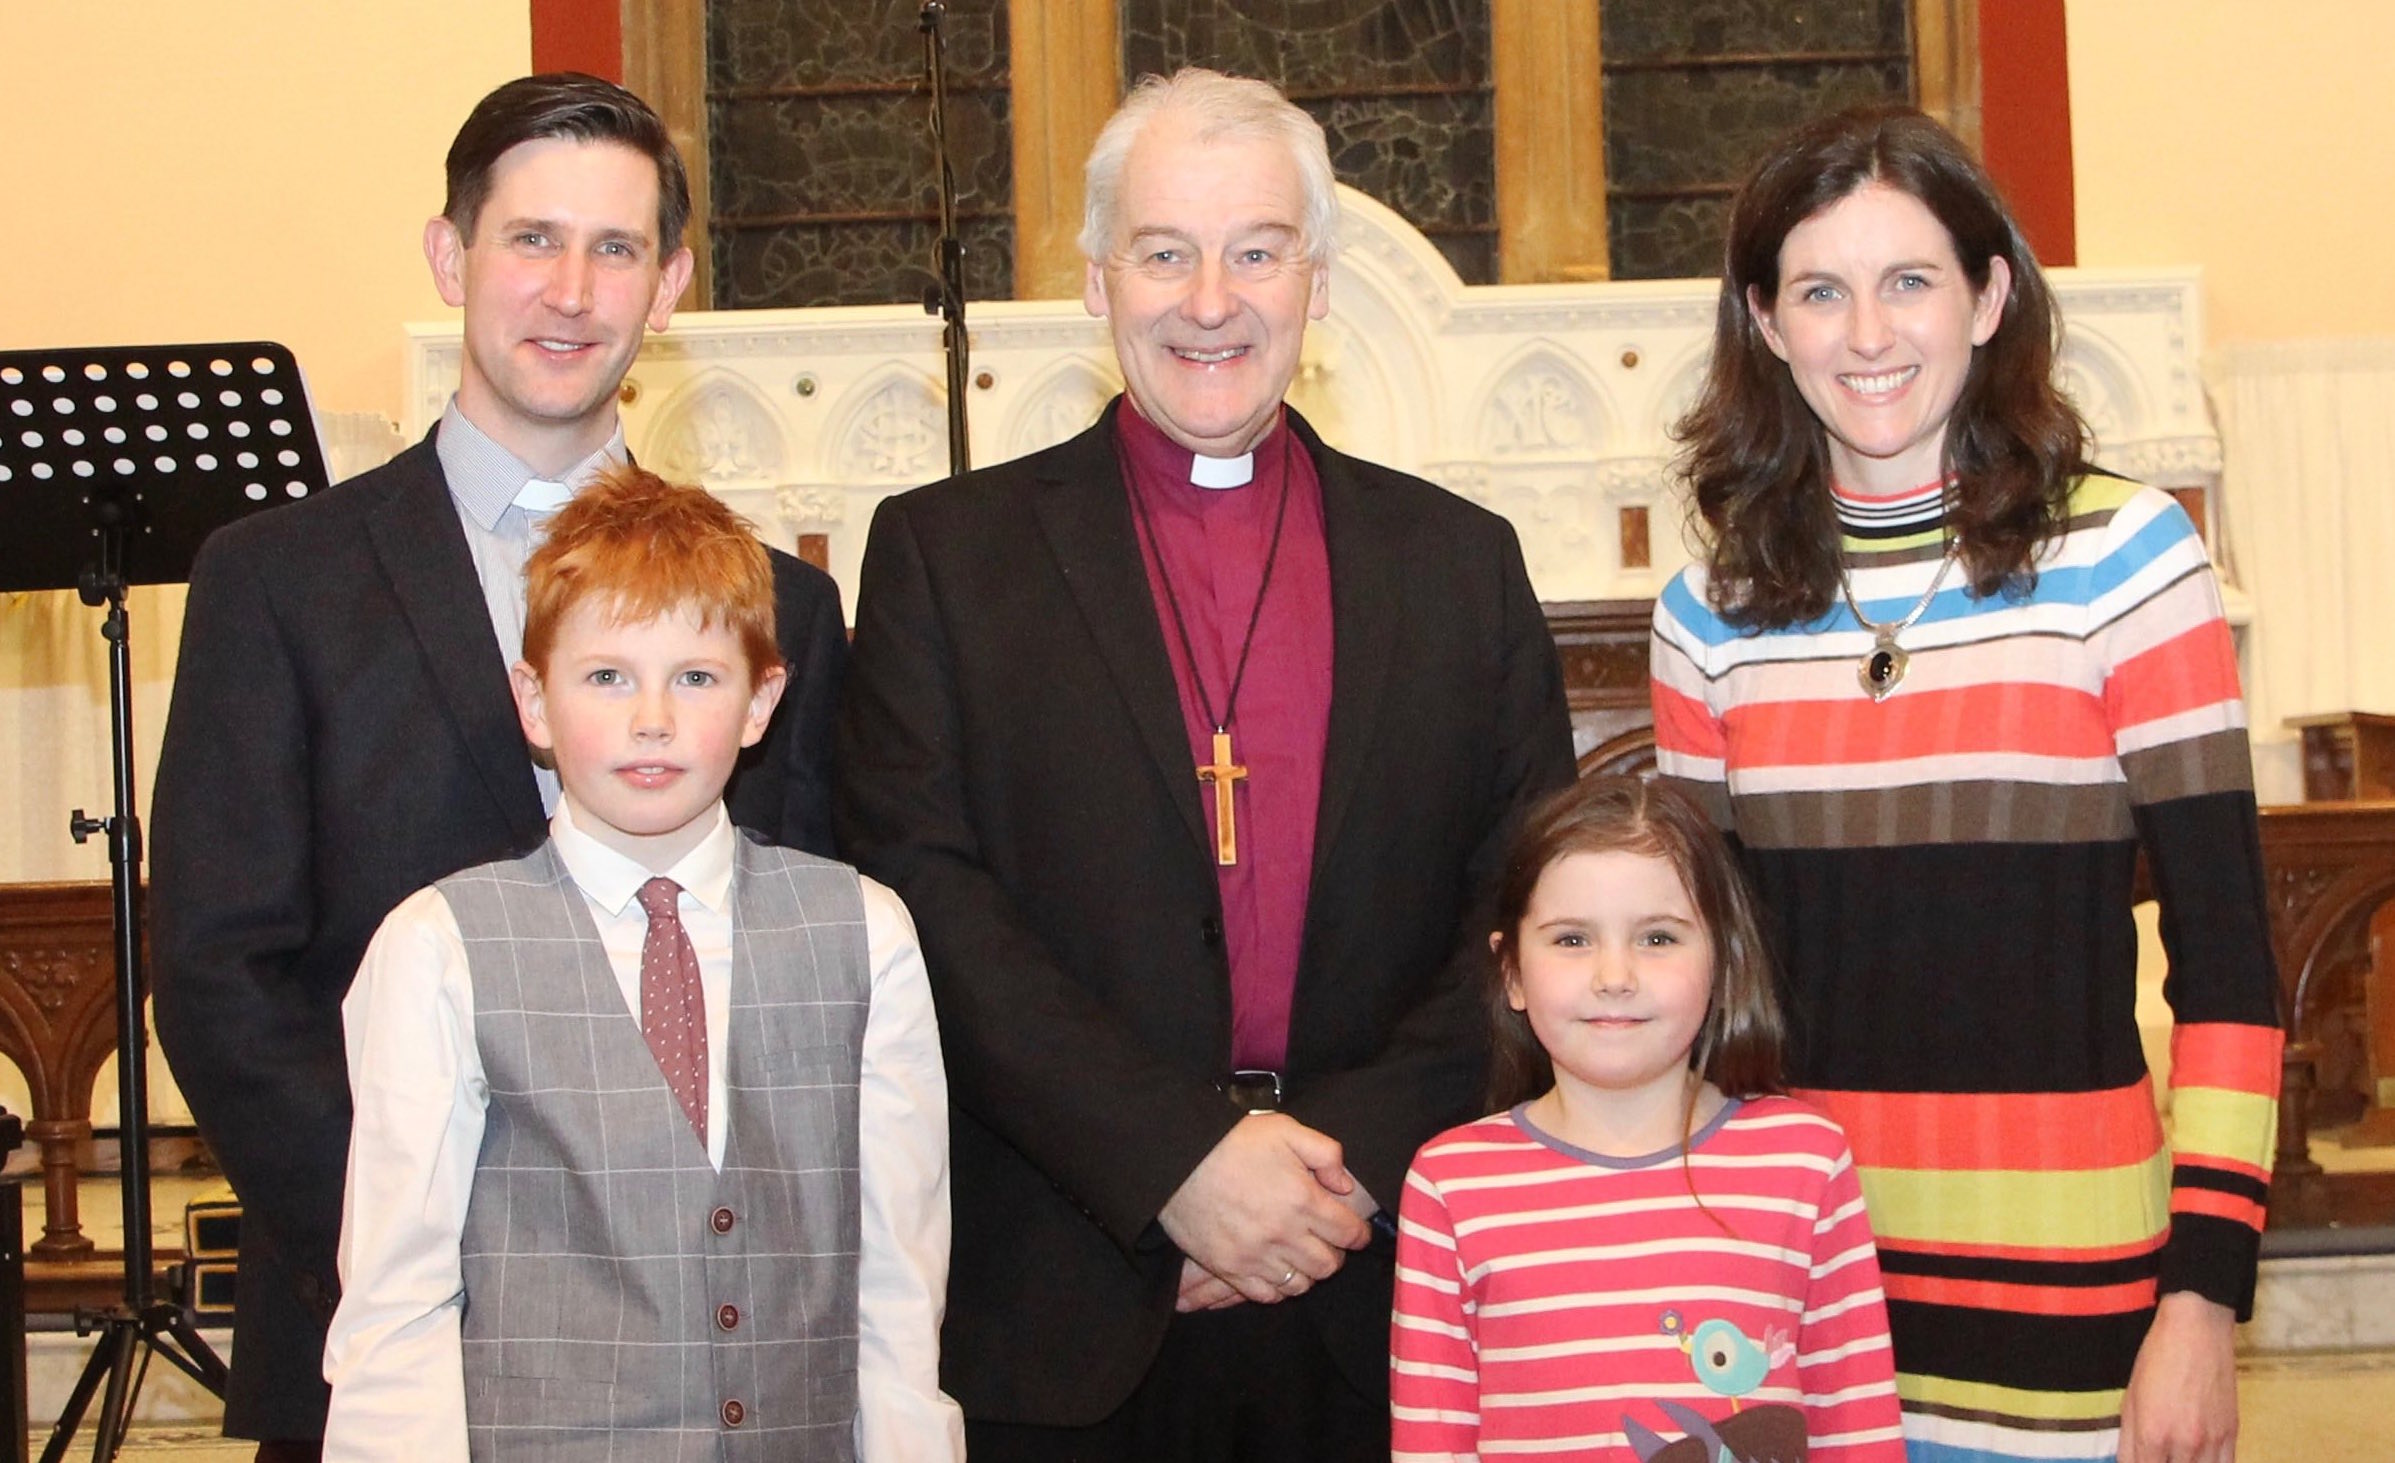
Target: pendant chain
{"type": "Point", "coordinates": [1883, 665]}
{"type": "Point", "coordinates": [1889, 631]}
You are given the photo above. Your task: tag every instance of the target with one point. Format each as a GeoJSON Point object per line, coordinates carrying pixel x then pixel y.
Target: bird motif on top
{"type": "Point", "coordinates": [1726, 1360]}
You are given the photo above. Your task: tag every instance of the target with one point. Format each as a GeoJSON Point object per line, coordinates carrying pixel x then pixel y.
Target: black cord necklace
{"type": "Point", "coordinates": [1222, 772]}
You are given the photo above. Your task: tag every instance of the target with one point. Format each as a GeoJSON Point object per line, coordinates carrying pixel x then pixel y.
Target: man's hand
{"type": "Point", "coordinates": [1203, 1290]}
{"type": "Point", "coordinates": [2181, 1406]}
{"type": "Point", "coordinates": [1266, 1212]}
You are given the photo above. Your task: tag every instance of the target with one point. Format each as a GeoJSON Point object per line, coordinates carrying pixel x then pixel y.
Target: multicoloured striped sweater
{"type": "Point", "coordinates": [1948, 873]}
{"type": "Point", "coordinates": [1553, 1302]}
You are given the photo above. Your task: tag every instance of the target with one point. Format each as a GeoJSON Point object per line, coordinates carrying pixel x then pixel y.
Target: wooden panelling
{"type": "Point", "coordinates": [1946, 65]}
{"type": "Point", "coordinates": [665, 65]}
{"type": "Point", "coordinates": [1067, 71]}
{"type": "Point", "coordinates": [1550, 140]}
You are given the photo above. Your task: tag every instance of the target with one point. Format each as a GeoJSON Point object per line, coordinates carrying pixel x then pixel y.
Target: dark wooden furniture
{"type": "Point", "coordinates": [58, 1024]}
{"type": "Point", "coordinates": [15, 1409]}
{"type": "Point", "coordinates": [2331, 868]}
{"type": "Point", "coordinates": [1603, 646]}
{"type": "Point", "coordinates": [2349, 756]}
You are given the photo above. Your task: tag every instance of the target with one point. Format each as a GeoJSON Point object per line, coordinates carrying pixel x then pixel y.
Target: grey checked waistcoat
{"type": "Point", "coordinates": [623, 1299]}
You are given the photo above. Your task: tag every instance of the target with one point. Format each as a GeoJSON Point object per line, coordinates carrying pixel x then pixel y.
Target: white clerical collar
{"type": "Point", "coordinates": [1218, 473]}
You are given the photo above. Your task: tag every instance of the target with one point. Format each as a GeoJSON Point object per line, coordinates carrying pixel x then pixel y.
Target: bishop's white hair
{"type": "Point", "coordinates": [1219, 106]}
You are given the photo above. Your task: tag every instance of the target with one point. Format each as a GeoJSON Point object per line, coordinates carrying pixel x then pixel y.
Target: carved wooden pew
{"type": "Point", "coordinates": [58, 1024]}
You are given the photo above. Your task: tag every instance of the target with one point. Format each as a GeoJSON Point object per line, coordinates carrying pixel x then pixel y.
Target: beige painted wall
{"type": "Point", "coordinates": [198, 170]}
{"type": "Point", "coordinates": [2254, 138]}
{"type": "Point", "coordinates": [211, 169]}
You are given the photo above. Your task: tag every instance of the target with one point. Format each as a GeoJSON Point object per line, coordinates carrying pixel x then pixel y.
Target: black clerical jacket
{"type": "Point", "coordinates": [1013, 761]}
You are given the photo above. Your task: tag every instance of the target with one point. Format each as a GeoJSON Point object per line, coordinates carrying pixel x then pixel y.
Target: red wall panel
{"type": "Point", "coordinates": [578, 35]}
{"type": "Point", "coordinates": [2025, 119]}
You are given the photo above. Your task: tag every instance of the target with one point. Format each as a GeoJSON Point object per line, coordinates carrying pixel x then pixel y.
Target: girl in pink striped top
{"type": "Point", "coordinates": [1648, 1254]}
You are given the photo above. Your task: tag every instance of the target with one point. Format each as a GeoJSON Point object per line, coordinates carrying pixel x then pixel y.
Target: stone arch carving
{"type": "Point", "coordinates": [2098, 378]}
{"type": "Point", "coordinates": [1369, 379]}
{"type": "Point", "coordinates": [1060, 404]}
{"type": "Point", "coordinates": [717, 430]}
{"type": "Point", "coordinates": [1542, 404]}
{"type": "Point", "coordinates": [892, 428]}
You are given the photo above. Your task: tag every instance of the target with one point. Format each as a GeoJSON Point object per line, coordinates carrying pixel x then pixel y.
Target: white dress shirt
{"type": "Point", "coordinates": [504, 508]}
{"type": "Point", "coordinates": [395, 1356]}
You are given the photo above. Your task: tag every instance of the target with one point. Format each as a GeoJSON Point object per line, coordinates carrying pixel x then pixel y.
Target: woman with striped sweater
{"type": "Point", "coordinates": [1942, 678]}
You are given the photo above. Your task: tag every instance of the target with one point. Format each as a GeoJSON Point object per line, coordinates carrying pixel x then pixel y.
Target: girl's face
{"type": "Point", "coordinates": [1877, 321]}
{"type": "Point", "coordinates": [1615, 972]}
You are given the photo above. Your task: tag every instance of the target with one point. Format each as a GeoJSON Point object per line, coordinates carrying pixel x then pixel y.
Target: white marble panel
{"type": "Point", "coordinates": [1550, 403]}
{"type": "Point", "coordinates": [2335, 1303]}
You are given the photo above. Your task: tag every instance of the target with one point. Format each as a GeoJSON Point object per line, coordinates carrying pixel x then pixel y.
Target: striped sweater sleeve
{"type": "Point", "coordinates": [1434, 1368]}
{"type": "Point", "coordinates": [1691, 747]}
{"type": "Point", "coordinates": [1843, 1360]}
{"type": "Point", "coordinates": [2178, 723]}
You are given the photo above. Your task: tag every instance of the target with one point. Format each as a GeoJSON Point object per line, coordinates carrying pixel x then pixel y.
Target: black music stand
{"type": "Point", "coordinates": [114, 464]}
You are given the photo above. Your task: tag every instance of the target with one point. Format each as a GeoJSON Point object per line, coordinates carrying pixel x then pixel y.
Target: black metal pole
{"type": "Point", "coordinates": [132, 1035]}
{"type": "Point", "coordinates": [947, 298]}
{"type": "Point", "coordinates": [129, 1334]}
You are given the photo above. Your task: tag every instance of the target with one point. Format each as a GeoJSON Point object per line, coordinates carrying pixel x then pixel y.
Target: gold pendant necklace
{"type": "Point", "coordinates": [1883, 666]}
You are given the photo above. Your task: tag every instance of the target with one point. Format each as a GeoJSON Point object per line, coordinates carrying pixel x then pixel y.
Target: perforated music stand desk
{"type": "Point", "coordinates": [180, 438]}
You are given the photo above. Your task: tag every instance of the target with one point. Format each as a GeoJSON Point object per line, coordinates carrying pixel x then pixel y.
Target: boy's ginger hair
{"type": "Point", "coordinates": [650, 548]}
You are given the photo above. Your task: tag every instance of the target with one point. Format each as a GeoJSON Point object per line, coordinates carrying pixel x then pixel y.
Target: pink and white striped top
{"type": "Point", "coordinates": [1556, 1302]}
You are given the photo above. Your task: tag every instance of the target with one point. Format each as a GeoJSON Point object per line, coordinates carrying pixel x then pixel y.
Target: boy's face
{"type": "Point", "coordinates": [645, 721]}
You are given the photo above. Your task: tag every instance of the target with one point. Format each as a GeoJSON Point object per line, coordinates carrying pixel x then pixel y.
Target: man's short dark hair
{"type": "Point", "coordinates": [571, 105]}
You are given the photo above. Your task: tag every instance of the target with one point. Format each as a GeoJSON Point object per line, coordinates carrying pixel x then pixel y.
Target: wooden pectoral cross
{"type": "Point", "coordinates": [1220, 774]}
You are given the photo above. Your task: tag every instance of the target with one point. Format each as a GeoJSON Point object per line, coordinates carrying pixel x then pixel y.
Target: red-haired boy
{"type": "Point", "coordinates": [650, 1155]}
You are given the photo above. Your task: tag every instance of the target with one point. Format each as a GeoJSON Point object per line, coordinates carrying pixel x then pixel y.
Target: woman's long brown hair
{"type": "Point", "coordinates": [1758, 459]}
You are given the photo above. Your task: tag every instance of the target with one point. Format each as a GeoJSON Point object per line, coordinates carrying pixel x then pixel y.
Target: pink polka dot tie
{"type": "Point", "coordinates": [673, 1006]}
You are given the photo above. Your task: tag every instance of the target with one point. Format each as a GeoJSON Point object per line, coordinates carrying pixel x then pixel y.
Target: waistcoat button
{"type": "Point", "coordinates": [720, 1221]}
{"type": "Point", "coordinates": [733, 1413]}
{"type": "Point", "coordinates": [728, 1317]}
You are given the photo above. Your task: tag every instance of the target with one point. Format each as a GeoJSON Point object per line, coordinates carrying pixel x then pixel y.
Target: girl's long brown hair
{"type": "Point", "coordinates": [1758, 459]}
{"type": "Point", "coordinates": [1738, 1049]}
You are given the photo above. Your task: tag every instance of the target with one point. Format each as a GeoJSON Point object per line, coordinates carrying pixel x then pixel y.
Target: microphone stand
{"type": "Point", "coordinates": [947, 298]}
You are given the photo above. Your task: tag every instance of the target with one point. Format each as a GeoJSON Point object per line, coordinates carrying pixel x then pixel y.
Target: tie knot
{"type": "Point", "coordinates": [658, 896]}
{"type": "Point", "coordinates": [539, 495]}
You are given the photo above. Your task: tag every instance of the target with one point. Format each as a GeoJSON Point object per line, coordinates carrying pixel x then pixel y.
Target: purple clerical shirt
{"type": "Point", "coordinates": [1213, 543]}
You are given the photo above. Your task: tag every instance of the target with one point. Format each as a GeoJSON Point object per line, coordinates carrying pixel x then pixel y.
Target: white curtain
{"type": "Point", "coordinates": [2308, 505]}
{"type": "Point", "coordinates": [54, 719]}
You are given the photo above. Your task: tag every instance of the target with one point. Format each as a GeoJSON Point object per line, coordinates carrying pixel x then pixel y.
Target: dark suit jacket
{"type": "Point", "coordinates": [341, 735]}
{"type": "Point", "coordinates": [1012, 761]}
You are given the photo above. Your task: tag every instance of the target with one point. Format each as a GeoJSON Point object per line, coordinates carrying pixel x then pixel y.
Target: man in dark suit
{"type": "Point", "coordinates": [342, 732]}
{"type": "Point", "coordinates": [1193, 744]}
